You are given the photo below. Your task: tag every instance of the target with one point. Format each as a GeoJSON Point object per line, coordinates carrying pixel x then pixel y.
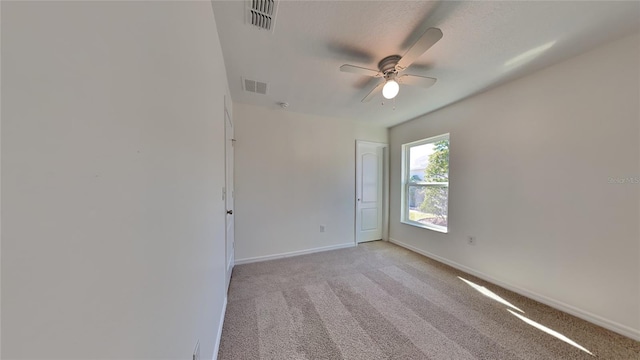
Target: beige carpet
{"type": "Point", "coordinates": [380, 301]}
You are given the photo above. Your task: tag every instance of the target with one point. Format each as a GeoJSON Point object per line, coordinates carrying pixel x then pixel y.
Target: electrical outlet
{"type": "Point", "coordinates": [196, 351]}
{"type": "Point", "coordinates": [471, 240]}
{"type": "Point", "coordinates": [322, 228]}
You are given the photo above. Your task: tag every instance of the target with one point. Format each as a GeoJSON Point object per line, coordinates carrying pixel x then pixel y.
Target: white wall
{"type": "Point", "coordinates": [294, 172]}
{"type": "Point", "coordinates": [112, 169]}
{"type": "Point", "coordinates": [530, 163]}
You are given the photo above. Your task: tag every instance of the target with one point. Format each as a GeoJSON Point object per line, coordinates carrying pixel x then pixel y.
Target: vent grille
{"type": "Point", "coordinates": [255, 86]}
{"type": "Point", "coordinates": [261, 13]}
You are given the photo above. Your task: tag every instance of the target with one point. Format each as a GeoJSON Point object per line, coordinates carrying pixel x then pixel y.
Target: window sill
{"type": "Point", "coordinates": [437, 228]}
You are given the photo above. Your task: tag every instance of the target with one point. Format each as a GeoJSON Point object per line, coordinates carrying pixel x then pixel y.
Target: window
{"type": "Point", "coordinates": [425, 183]}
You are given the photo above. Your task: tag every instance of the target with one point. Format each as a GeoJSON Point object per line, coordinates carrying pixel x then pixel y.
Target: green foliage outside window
{"type": "Point", "coordinates": [435, 200]}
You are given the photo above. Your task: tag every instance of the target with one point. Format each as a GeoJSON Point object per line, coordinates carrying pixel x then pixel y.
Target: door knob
{"type": "Point", "coordinates": [230, 212]}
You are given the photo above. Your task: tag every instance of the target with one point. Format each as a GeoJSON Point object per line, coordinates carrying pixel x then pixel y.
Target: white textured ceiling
{"type": "Point", "coordinates": [485, 43]}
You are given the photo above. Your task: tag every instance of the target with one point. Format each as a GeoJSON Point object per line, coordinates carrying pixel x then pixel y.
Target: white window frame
{"type": "Point", "coordinates": [406, 171]}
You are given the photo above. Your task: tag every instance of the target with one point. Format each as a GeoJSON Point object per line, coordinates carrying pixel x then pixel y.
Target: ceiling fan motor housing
{"type": "Point", "coordinates": [388, 64]}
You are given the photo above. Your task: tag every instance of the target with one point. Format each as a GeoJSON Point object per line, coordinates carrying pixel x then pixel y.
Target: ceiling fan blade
{"type": "Point", "coordinates": [360, 70]}
{"type": "Point", "coordinates": [376, 90]}
{"type": "Point", "coordinates": [349, 52]}
{"type": "Point", "coordinates": [427, 40]}
{"type": "Point", "coordinates": [415, 80]}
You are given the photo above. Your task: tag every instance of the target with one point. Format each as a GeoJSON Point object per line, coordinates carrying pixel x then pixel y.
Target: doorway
{"type": "Point", "coordinates": [371, 191]}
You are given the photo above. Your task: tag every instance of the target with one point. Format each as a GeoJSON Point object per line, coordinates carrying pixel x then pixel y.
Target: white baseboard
{"type": "Point", "coordinates": [585, 315]}
{"type": "Point", "coordinates": [219, 337]}
{"type": "Point", "coordinates": [293, 253]}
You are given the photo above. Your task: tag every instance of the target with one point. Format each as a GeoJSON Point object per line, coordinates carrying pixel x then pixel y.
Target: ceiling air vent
{"type": "Point", "coordinates": [254, 86]}
{"type": "Point", "coordinates": [262, 13]}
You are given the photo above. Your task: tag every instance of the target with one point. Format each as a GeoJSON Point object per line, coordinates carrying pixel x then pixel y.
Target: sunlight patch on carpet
{"type": "Point", "coordinates": [550, 332]}
{"type": "Point", "coordinates": [490, 294]}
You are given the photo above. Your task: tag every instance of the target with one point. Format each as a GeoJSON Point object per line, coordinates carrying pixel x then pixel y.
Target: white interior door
{"type": "Point", "coordinates": [228, 195]}
{"type": "Point", "coordinates": [369, 190]}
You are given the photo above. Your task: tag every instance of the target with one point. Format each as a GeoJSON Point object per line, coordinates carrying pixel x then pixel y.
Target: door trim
{"type": "Point", "coordinates": [229, 260]}
{"type": "Point", "coordinates": [385, 189]}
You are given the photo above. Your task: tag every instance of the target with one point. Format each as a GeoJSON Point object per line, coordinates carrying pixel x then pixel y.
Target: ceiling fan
{"type": "Point", "coordinates": [390, 68]}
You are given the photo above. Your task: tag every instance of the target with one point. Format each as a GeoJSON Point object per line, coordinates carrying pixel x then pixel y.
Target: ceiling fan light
{"type": "Point", "coordinates": [390, 89]}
